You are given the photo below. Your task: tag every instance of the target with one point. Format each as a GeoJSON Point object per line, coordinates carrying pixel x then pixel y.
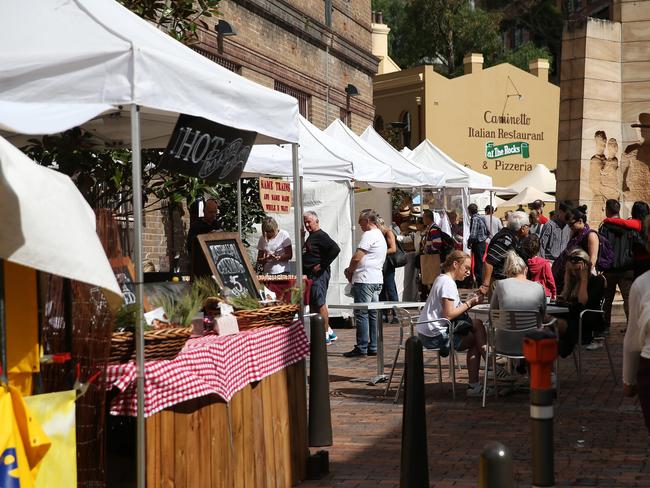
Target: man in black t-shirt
{"type": "Point", "coordinates": [318, 253]}
{"type": "Point", "coordinates": [208, 223]}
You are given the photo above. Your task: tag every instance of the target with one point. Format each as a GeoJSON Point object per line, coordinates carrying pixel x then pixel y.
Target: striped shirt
{"type": "Point", "coordinates": [553, 240]}
{"type": "Point", "coordinates": [504, 241]}
{"type": "Point", "coordinates": [478, 231]}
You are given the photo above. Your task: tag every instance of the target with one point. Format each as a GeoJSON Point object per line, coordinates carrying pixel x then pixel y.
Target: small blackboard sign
{"type": "Point", "coordinates": [125, 275]}
{"type": "Point", "coordinates": [229, 263]}
{"type": "Point", "coordinates": [207, 150]}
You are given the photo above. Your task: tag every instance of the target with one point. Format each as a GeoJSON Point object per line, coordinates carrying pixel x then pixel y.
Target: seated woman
{"type": "Point", "coordinates": [516, 292]}
{"type": "Point", "coordinates": [582, 290]}
{"type": "Point", "coordinates": [444, 302]}
{"type": "Point", "coordinates": [274, 248]}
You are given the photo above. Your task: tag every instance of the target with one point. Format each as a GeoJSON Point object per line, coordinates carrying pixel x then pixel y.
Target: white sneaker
{"type": "Point", "coordinates": [475, 391]}
{"type": "Point", "coordinates": [594, 345]}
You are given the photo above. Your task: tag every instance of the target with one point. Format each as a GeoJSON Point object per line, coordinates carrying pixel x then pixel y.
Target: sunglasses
{"type": "Point", "coordinates": [577, 260]}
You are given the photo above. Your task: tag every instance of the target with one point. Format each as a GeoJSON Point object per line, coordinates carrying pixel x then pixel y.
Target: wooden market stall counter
{"type": "Point", "coordinates": [227, 412]}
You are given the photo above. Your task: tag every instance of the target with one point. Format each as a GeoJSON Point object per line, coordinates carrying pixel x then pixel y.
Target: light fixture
{"type": "Point", "coordinates": [351, 90]}
{"type": "Point", "coordinates": [224, 29]}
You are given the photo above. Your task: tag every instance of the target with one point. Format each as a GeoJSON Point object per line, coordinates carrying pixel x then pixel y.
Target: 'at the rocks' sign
{"type": "Point", "coordinates": [207, 150]}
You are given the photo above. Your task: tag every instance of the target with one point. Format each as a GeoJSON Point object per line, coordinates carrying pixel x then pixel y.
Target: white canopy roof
{"type": "Point", "coordinates": [431, 177]}
{"type": "Point", "coordinates": [64, 62]}
{"type": "Point", "coordinates": [321, 158]}
{"type": "Point", "coordinates": [457, 175]}
{"type": "Point", "coordinates": [401, 176]}
{"type": "Point", "coordinates": [539, 177]}
{"type": "Point", "coordinates": [48, 224]}
{"type": "Point", "coordinates": [529, 195]}
{"type": "Point", "coordinates": [406, 151]}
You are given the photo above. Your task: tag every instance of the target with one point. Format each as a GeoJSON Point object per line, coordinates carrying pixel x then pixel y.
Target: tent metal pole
{"type": "Point", "coordinates": [239, 211]}
{"type": "Point", "coordinates": [353, 218]}
{"type": "Point", "coordinates": [297, 223]}
{"type": "Point", "coordinates": [3, 327]}
{"type": "Point", "coordinates": [139, 278]}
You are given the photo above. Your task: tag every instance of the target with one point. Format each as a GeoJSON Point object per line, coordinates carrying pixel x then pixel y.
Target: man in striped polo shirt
{"type": "Point", "coordinates": [507, 239]}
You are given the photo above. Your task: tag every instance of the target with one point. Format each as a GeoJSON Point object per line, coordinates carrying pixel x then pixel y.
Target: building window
{"type": "Point", "coordinates": [345, 116]}
{"type": "Point", "coordinates": [229, 65]}
{"type": "Point", "coordinates": [379, 124]}
{"type": "Point", "coordinates": [406, 129]}
{"type": "Point", "coordinates": [302, 97]}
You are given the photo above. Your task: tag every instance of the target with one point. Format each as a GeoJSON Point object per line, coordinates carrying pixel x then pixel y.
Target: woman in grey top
{"type": "Point", "coordinates": [517, 292]}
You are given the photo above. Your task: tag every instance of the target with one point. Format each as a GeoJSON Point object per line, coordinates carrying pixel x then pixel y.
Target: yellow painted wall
{"type": "Point", "coordinates": [458, 115]}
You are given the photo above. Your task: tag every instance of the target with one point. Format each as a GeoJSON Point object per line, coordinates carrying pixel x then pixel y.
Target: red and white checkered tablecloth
{"type": "Point", "coordinates": [220, 365]}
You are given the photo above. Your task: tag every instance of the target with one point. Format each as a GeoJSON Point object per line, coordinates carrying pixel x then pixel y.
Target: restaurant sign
{"type": "Point", "coordinates": [207, 150]}
{"type": "Point", "coordinates": [493, 151]}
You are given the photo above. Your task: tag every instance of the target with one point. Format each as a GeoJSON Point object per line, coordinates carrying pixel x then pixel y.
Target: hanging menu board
{"type": "Point", "coordinates": [229, 263]}
{"type": "Point", "coordinates": [125, 275]}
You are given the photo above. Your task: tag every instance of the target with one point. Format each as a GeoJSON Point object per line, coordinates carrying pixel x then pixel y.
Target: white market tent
{"type": "Point", "coordinates": [486, 198]}
{"type": "Point", "coordinates": [51, 231]}
{"type": "Point", "coordinates": [401, 176]}
{"type": "Point", "coordinates": [95, 64]}
{"type": "Point", "coordinates": [539, 177]}
{"type": "Point", "coordinates": [405, 151]}
{"type": "Point", "coordinates": [529, 195]}
{"type": "Point", "coordinates": [433, 177]}
{"type": "Point", "coordinates": [321, 158]}
{"type": "Point", "coordinates": [458, 176]}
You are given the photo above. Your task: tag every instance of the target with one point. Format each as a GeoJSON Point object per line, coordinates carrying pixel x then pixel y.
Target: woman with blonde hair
{"type": "Point", "coordinates": [517, 292]}
{"type": "Point", "coordinates": [581, 290]}
{"type": "Point", "coordinates": [274, 248]}
{"type": "Point", "coordinates": [444, 302]}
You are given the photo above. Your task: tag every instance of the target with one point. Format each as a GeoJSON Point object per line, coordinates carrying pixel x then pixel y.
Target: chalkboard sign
{"type": "Point", "coordinates": [229, 263]}
{"type": "Point", "coordinates": [125, 275]}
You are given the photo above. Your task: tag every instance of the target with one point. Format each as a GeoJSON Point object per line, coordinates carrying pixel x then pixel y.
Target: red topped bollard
{"type": "Point", "coordinates": [540, 350]}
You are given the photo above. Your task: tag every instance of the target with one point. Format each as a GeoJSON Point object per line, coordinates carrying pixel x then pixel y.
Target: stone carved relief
{"type": "Point", "coordinates": [627, 180]}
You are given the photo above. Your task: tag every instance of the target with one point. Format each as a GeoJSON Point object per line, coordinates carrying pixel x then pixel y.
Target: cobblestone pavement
{"type": "Point", "coordinates": [600, 439]}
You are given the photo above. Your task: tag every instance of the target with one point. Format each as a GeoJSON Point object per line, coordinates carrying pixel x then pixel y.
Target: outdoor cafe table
{"type": "Point", "coordinates": [380, 377]}
{"type": "Point", "coordinates": [482, 310]}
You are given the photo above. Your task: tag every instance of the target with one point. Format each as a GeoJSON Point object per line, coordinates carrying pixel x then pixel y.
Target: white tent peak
{"type": "Point", "coordinates": [529, 195]}
{"type": "Point", "coordinates": [539, 177]}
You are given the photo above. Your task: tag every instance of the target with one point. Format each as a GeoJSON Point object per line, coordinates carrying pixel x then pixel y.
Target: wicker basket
{"type": "Point", "coordinates": [280, 315]}
{"type": "Point", "coordinates": [158, 344]}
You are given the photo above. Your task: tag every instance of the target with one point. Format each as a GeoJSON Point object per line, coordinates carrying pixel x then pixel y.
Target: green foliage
{"type": "Point", "coordinates": [244, 302]}
{"type": "Point", "coordinates": [524, 54]}
{"type": "Point", "coordinates": [180, 309]}
{"type": "Point", "coordinates": [206, 287]}
{"type": "Point", "coordinates": [179, 18]}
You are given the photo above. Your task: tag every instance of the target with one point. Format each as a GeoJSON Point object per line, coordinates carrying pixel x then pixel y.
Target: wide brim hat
{"type": "Point", "coordinates": [644, 121]}
{"type": "Point", "coordinates": [416, 211]}
{"type": "Point", "coordinates": [413, 227]}
{"type": "Point", "coordinates": [405, 211]}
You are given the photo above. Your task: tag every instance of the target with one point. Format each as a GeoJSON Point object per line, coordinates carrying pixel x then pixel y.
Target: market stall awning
{"type": "Point", "coordinates": [432, 177]}
{"type": "Point", "coordinates": [68, 61]}
{"type": "Point", "coordinates": [321, 158]}
{"type": "Point", "coordinates": [401, 176]}
{"type": "Point", "coordinates": [456, 175]}
{"type": "Point", "coordinates": [48, 225]}
{"type": "Point", "coordinates": [539, 177]}
{"type": "Point", "coordinates": [529, 195]}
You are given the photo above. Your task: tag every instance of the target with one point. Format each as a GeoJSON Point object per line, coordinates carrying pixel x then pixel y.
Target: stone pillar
{"type": "Point", "coordinates": [472, 63]}
{"type": "Point", "coordinates": [539, 67]}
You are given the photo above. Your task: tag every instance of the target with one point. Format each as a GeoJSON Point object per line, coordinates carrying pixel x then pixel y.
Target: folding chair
{"type": "Point", "coordinates": [579, 345]}
{"type": "Point", "coordinates": [407, 322]}
{"type": "Point", "coordinates": [506, 330]}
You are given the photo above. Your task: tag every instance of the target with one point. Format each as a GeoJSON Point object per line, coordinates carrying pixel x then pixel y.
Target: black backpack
{"type": "Point", "coordinates": [622, 242]}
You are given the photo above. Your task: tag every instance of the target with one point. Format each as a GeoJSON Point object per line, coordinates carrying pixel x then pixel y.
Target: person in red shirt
{"type": "Point", "coordinates": [539, 206]}
{"type": "Point", "coordinates": [539, 269]}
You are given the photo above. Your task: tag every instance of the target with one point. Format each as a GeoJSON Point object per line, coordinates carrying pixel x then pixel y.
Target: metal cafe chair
{"type": "Point", "coordinates": [407, 321]}
{"type": "Point", "coordinates": [579, 345]}
{"type": "Point", "coordinates": [506, 330]}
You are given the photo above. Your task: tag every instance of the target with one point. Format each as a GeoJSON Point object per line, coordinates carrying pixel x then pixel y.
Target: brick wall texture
{"type": "Point", "coordinates": [286, 41]}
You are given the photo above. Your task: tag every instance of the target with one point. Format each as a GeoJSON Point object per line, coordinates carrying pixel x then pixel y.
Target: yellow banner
{"type": "Point", "coordinates": [275, 195]}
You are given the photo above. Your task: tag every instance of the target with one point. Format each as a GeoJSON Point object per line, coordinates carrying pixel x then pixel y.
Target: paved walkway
{"type": "Point", "coordinates": [600, 439]}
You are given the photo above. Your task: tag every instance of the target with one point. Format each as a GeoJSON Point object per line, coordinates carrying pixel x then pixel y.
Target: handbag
{"type": "Point", "coordinates": [398, 258]}
{"type": "Point", "coordinates": [462, 324]}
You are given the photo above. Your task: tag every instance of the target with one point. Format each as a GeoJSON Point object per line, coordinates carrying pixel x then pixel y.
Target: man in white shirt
{"type": "Point", "coordinates": [365, 274]}
{"type": "Point", "coordinates": [493, 223]}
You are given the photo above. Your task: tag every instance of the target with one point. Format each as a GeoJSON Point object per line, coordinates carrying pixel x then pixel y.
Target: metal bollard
{"type": "Point", "coordinates": [495, 468]}
{"type": "Point", "coordinates": [415, 462]}
{"type": "Point", "coordinates": [320, 415]}
{"type": "Point", "coordinates": [540, 350]}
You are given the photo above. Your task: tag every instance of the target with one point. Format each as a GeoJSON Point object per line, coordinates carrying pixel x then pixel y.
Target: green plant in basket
{"type": "Point", "coordinates": [180, 310]}
{"type": "Point", "coordinates": [206, 286]}
{"type": "Point", "coordinates": [244, 302]}
{"type": "Point", "coordinates": [124, 319]}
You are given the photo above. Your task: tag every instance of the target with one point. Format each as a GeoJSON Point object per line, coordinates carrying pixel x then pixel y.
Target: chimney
{"type": "Point", "coordinates": [379, 35]}
{"type": "Point", "coordinates": [473, 63]}
{"type": "Point", "coordinates": [539, 67]}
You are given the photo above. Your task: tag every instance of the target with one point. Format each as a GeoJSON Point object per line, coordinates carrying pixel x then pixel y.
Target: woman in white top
{"type": "Point", "coordinates": [444, 302]}
{"type": "Point", "coordinates": [274, 248]}
{"type": "Point", "coordinates": [636, 345]}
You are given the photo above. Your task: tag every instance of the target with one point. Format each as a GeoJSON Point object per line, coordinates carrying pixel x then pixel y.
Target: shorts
{"type": "Point", "coordinates": [318, 290]}
{"type": "Point", "coordinates": [441, 342]}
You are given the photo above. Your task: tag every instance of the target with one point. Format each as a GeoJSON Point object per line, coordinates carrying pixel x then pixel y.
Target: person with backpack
{"type": "Point", "coordinates": [582, 236]}
{"type": "Point", "coordinates": [623, 235]}
{"type": "Point", "coordinates": [640, 212]}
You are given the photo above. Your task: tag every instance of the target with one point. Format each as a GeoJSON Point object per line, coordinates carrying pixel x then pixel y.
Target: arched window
{"type": "Point", "coordinates": [379, 123]}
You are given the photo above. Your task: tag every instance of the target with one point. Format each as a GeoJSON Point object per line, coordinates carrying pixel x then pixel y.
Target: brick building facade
{"type": "Point", "coordinates": [294, 47]}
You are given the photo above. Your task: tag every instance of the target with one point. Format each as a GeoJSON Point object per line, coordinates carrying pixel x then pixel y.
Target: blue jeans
{"type": "Point", "coordinates": [389, 289]}
{"type": "Point", "coordinates": [366, 320]}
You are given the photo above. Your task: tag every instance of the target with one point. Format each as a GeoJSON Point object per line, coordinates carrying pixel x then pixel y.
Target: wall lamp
{"type": "Point", "coordinates": [224, 29]}
{"type": "Point", "coordinates": [350, 91]}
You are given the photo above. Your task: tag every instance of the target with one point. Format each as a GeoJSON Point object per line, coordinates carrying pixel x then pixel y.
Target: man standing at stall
{"type": "Point", "coordinates": [478, 236]}
{"type": "Point", "coordinates": [318, 253]}
{"type": "Point", "coordinates": [208, 223]}
{"type": "Point", "coordinates": [365, 274]}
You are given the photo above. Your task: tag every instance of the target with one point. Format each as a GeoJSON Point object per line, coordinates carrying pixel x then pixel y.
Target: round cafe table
{"type": "Point", "coordinates": [482, 310]}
